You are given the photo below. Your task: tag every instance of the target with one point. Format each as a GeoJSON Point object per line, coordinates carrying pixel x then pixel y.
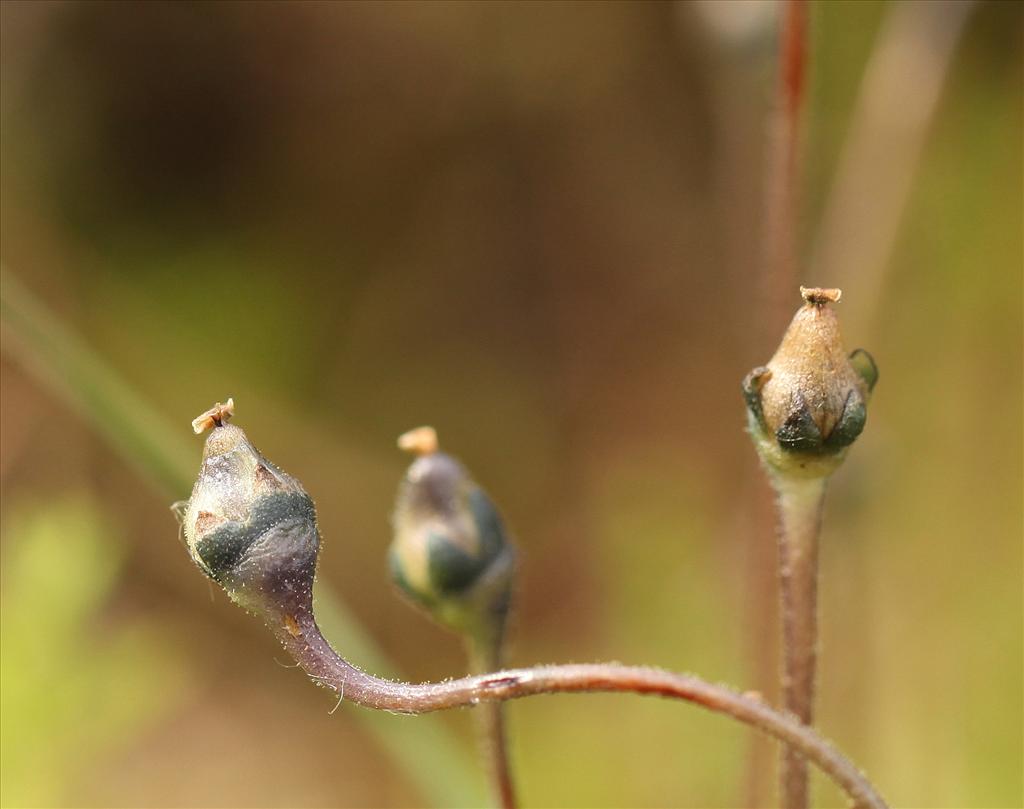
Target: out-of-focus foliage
{"type": "Point", "coordinates": [81, 677]}
{"type": "Point", "coordinates": [536, 227]}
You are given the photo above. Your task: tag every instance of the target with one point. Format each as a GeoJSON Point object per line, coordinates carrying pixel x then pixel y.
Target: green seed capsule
{"type": "Point", "coordinates": [809, 403]}
{"type": "Point", "coordinates": [450, 553]}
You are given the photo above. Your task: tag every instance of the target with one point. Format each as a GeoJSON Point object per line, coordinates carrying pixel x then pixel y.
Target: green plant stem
{"type": "Point", "coordinates": [34, 338]}
{"type": "Point", "coordinates": [301, 636]}
{"type": "Point", "coordinates": [484, 653]}
{"type": "Point", "coordinates": [800, 508]}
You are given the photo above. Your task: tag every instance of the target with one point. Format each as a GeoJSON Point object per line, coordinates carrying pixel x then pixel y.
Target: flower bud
{"type": "Point", "coordinates": [249, 526]}
{"type": "Point", "coordinates": [809, 403]}
{"type": "Point", "coordinates": [450, 553]}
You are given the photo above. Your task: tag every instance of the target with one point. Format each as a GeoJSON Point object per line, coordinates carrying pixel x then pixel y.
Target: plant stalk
{"type": "Point", "coordinates": [301, 637]}
{"type": "Point", "coordinates": [779, 270]}
{"type": "Point", "coordinates": [484, 653]}
{"type": "Point", "coordinates": [800, 508]}
{"type": "Point", "coordinates": [782, 184]}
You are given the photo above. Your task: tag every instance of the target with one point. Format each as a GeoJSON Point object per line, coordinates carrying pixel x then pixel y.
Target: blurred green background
{"type": "Point", "coordinates": [536, 227]}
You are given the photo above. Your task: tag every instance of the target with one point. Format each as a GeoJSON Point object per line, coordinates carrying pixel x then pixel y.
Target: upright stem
{"type": "Point", "coordinates": [800, 505]}
{"type": "Point", "coordinates": [484, 652]}
{"type": "Point", "coordinates": [783, 180]}
{"type": "Point", "coordinates": [781, 202]}
{"type": "Point", "coordinates": [301, 636]}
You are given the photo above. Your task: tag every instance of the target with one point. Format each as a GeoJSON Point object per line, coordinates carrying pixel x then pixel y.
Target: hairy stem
{"type": "Point", "coordinates": [484, 652]}
{"type": "Point", "coordinates": [302, 638]}
{"type": "Point", "coordinates": [778, 277]}
{"type": "Point", "coordinates": [800, 505]}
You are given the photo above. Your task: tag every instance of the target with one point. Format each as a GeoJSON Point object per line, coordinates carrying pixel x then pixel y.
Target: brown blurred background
{"type": "Point", "coordinates": [538, 228]}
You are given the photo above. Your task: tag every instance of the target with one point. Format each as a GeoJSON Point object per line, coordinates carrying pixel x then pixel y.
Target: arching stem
{"type": "Point", "coordinates": [302, 638]}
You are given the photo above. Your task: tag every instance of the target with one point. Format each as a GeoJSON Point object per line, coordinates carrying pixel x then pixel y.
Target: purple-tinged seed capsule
{"type": "Point", "coordinates": [450, 553]}
{"type": "Point", "coordinates": [250, 526]}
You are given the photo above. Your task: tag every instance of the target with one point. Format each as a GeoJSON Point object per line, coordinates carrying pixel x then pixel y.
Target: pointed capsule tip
{"type": "Point", "coordinates": [820, 295]}
{"type": "Point", "coordinates": [420, 441]}
{"type": "Point", "coordinates": [214, 417]}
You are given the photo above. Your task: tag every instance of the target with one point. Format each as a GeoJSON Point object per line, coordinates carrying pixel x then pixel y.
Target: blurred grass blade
{"type": "Point", "coordinates": [427, 752]}
{"type": "Point", "coordinates": [898, 98]}
{"type": "Point", "coordinates": [49, 351]}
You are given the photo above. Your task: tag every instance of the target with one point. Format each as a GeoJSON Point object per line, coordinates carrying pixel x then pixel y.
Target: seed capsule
{"type": "Point", "coordinates": [450, 553]}
{"type": "Point", "coordinates": [250, 526]}
{"type": "Point", "coordinates": [809, 403]}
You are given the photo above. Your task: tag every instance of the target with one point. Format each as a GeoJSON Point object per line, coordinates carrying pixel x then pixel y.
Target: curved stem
{"type": "Point", "coordinates": [800, 505]}
{"type": "Point", "coordinates": [302, 638]}
{"type": "Point", "coordinates": [485, 655]}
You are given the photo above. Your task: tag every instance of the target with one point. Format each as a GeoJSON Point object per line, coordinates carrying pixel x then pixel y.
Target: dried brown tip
{"type": "Point", "coordinates": [819, 295]}
{"type": "Point", "coordinates": [420, 441]}
{"type": "Point", "coordinates": [214, 417]}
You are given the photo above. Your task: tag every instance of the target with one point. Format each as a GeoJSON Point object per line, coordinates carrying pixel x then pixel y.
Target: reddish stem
{"type": "Point", "coordinates": [301, 636]}
{"type": "Point", "coordinates": [782, 182]}
{"type": "Point", "coordinates": [800, 506]}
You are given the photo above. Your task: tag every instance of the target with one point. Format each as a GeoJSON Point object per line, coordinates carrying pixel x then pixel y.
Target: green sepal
{"type": "Point", "coordinates": [850, 424]}
{"type": "Point", "coordinates": [799, 432]}
{"type": "Point", "coordinates": [219, 552]}
{"type": "Point", "coordinates": [752, 384]}
{"type": "Point", "coordinates": [451, 569]}
{"type": "Point", "coordinates": [490, 528]}
{"type": "Point", "coordinates": [864, 364]}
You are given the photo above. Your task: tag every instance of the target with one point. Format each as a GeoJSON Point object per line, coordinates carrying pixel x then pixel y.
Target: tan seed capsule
{"type": "Point", "coordinates": [809, 402]}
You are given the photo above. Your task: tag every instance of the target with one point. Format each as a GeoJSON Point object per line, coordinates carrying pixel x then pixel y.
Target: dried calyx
{"type": "Point", "coordinates": [450, 553]}
{"type": "Point", "coordinates": [250, 526]}
{"type": "Point", "coordinates": [809, 403]}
